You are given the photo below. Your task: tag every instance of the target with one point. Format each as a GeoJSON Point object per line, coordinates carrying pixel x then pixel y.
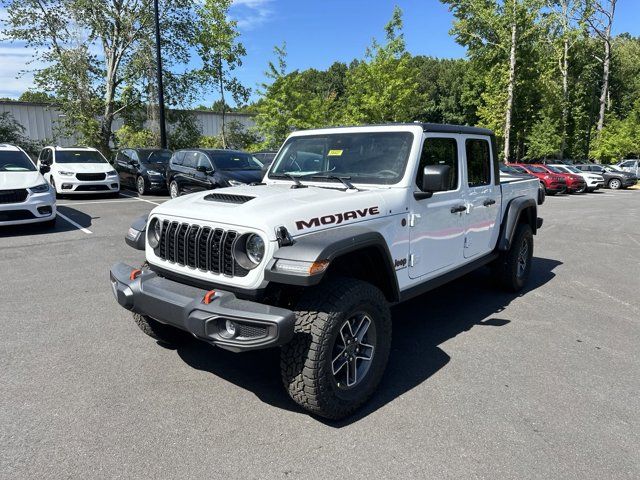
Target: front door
{"type": "Point", "coordinates": [436, 224]}
{"type": "Point", "coordinates": [483, 198]}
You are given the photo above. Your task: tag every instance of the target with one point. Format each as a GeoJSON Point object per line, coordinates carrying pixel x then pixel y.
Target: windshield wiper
{"type": "Point", "coordinates": [345, 180]}
{"type": "Point", "coordinates": [296, 182]}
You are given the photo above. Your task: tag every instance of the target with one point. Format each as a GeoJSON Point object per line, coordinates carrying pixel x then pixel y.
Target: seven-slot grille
{"type": "Point", "coordinates": [13, 196]}
{"type": "Point", "coordinates": [91, 177]}
{"type": "Point", "coordinates": [204, 248]}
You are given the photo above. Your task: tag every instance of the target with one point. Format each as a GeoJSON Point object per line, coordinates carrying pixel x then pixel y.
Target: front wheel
{"type": "Point", "coordinates": [159, 331]}
{"type": "Point", "coordinates": [513, 267]}
{"type": "Point", "coordinates": [174, 190]}
{"type": "Point", "coordinates": [340, 350]}
{"type": "Point", "coordinates": [582, 189]}
{"type": "Point", "coordinates": [615, 184]}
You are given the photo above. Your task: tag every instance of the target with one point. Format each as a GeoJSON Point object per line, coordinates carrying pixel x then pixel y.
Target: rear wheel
{"type": "Point", "coordinates": [513, 267]}
{"type": "Point", "coordinates": [174, 190]}
{"type": "Point", "coordinates": [141, 185]}
{"type": "Point", "coordinates": [340, 350]}
{"type": "Point", "coordinates": [615, 184]}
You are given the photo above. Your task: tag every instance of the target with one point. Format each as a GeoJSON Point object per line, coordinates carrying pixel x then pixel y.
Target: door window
{"type": "Point", "coordinates": [203, 161]}
{"type": "Point", "coordinates": [478, 162]}
{"type": "Point", "coordinates": [177, 158]}
{"type": "Point", "coordinates": [439, 151]}
{"type": "Point", "coordinates": [190, 159]}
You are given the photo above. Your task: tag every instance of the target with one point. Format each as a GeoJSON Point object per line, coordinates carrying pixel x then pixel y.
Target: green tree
{"type": "Point", "coordinates": [221, 53]}
{"type": "Point", "coordinates": [383, 87]}
{"type": "Point", "coordinates": [12, 132]}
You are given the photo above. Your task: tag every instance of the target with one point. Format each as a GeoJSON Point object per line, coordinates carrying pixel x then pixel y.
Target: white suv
{"type": "Point", "coordinates": [79, 170]}
{"type": "Point", "coordinates": [25, 196]}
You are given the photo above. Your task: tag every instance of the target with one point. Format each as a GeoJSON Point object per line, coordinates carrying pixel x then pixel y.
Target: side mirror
{"type": "Point", "coordinates": [132, 163]}
{"type": "Point", "coordinates": [203, 169]}
{"type": "Point", "coordinates": [435, 178]}
{"type": "Point", "coordinates": [44, 168]}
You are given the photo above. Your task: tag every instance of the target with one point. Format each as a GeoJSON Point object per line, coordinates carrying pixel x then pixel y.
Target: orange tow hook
{"type": "Point", "coordinates": [209, 296]}
{"type": "Point", "coordinates": [135, 273]}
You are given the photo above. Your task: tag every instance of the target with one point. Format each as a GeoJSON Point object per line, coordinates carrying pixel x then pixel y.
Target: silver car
{"type": "Point", "coordinates": [631, 166]}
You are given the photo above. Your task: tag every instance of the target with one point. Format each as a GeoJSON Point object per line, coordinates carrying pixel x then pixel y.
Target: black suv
{"type": "Point", "coordinates": [142, 168]}
{"type": "Point", "coordinates": [613, 179]}
{"type": "Point", "coordinates": [194, 170]}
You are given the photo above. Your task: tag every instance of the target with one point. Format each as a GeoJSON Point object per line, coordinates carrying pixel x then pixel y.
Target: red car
{"type": "Point", "coordinates": [553, 183]}
{"type": "Point", "coordinates": [575, 183]}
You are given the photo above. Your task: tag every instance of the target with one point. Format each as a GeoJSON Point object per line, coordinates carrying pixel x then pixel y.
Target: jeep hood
{"type": "Point", "coordinates": [266, 207]}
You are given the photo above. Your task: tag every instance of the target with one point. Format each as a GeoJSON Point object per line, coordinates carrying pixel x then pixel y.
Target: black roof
{"type": "Point", "coordinates": [446, 128]}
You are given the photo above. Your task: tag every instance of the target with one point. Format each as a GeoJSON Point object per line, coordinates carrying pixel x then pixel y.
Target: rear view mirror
{"type": "Point", "coordinates": [435, 178]}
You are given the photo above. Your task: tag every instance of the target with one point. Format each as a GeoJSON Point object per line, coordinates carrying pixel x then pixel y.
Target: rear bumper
{"type": "Point", "coordinates": [182, 306]}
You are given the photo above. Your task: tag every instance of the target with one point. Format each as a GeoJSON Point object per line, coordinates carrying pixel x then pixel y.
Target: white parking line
{"type": "Point", "coordinates": [78, 226]}
{"type": "Point", "coordinates": [138, 198]}
{"type": "Point", "coordinates": [96, 201]}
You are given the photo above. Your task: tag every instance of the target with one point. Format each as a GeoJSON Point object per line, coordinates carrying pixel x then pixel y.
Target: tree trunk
{"type": "Point", "coordinates": [606, 65]}
{"type": "Point", "coordinates": [224, 105]}
{"type": "Point", "coordinates": [510, 88]}
{"type": "Point", "coordinates": [565, 96]}
{"type": "Point", "coordinates": [109, 97]}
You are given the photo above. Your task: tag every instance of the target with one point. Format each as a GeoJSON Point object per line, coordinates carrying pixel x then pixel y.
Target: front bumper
{"type": "Point", "coordinates": [182, 306]}
{"type": "Point", "coordinates": [70, 185]}
{"type": "Point", "coordinates": [629, 182]}
{"type": "Point", "coordinates": [37, 207]}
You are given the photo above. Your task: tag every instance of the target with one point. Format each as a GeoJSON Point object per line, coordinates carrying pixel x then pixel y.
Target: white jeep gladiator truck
{"type": "Point", "coordinates": [347, 222]}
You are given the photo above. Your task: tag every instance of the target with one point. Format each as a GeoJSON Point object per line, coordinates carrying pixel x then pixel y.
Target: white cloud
{"type": "Point", "coordinates": [251, 13]}
{"type": "Point", "coordinates": [15, 74]}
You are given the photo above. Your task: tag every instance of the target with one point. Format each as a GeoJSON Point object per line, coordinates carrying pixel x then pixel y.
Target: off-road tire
{"type": "Point", "coordinates": [306, 361]}
{"type": "Point", "coordinates": [159, 331]}
{"type": "Point", "coordinates": [505, 268]}
{"type": "Point", "coordinates": [615, 184]}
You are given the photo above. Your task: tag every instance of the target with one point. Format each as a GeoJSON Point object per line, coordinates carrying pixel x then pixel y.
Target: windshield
{"type": "Point", "coordinates": [371, 157]}
{"type": "Point", "coordinates": [79, 156]}
{"type": "Point", "coordinates": [155, 156]}
{"type": "Point", "coordinates": [235, 161]}
{"type": "Point", "coordinates": [15, 161]}
{"type": "Point", "coordinates": [554, 169]}
{"type": "Point", "coordinates": [519, 169]}
{"type": "Point", "coordinates": [573, 169]}
{"type": "Point", "coordinates": [611, 168]}
{"type": "Point", "coordinates": [537, 169]}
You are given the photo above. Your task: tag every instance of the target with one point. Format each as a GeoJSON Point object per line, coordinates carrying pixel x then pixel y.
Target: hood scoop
{"type": "Point", "coordinates": [228, 198]}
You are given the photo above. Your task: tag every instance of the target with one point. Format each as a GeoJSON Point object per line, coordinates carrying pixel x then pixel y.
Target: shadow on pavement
{"type": "Point", "coordinates": [62, 225]}
{"type": "Point", "coordinates": [420, 326]}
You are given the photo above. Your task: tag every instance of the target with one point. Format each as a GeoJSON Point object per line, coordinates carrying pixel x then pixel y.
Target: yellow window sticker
{"type": "Point", "coordinates": [335, 153]}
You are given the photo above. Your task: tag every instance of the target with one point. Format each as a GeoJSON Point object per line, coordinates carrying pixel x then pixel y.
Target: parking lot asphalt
{"type": "Point", "coordinates": [480, 384]}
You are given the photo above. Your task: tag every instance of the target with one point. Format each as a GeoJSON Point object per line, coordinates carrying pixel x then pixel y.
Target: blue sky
{"type": "Point", "coordinates": [319, 32]}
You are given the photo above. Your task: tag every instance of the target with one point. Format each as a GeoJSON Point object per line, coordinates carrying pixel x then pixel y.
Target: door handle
{"type": "Point", "coordinates": [458, 209]}
{"type": "Point", "coordinates": [489, 202]}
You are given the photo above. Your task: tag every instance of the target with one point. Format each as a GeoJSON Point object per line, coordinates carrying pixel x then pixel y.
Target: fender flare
{"type": "Point", "coordinates": [330, 245]}
{"type": "Point", "coordinates": [517, 207]}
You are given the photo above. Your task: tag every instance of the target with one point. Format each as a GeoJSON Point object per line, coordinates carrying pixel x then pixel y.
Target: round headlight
{"type": "Point", "coordinates": [153, 233]}
{"type": "Point", "coordinates": [255, 248]}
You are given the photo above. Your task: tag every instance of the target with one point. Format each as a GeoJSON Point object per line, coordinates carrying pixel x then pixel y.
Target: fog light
{"type": "Point", "coordinates": [231, 328]}
{"type": "Point", "coordinates": [67, 186]}
{"type": "Point", "coordinates": [114, 185]}
{"type": "Point", "coordinates": [44, 210]}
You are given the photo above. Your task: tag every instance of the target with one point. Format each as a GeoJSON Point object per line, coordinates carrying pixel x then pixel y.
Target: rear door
{"type": "Point", "coordinates": [483, 197]}
{"type": "Point", "coordinates": [436, 223]}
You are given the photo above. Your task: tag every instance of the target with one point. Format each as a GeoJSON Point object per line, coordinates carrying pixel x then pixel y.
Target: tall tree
{"type": "Point", "coordinates": [221, 53]}
{"type": "Point", "coordinates": [497, 33]}
{"type": "Point", "coordinates": [89, 48]}
{"type": "Point", "coordinates": [601, 22]}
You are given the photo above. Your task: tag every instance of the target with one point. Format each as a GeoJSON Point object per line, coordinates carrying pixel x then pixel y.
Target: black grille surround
{"type": "Point", "coordinates": [204, 248]}
{"type": "Point", "coordinates": [91, 177]}
{"type": "Point", "coordinates": [13, 196]}
{"type": "Point", "coordinates": [228, 198]}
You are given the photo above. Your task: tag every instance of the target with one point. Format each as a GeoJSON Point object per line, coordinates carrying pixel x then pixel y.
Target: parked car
{"type": "Point", "coordinates": [553, 183]}
{"type": "Point", "coordinates": [25, 196]}
{"type": "Point", "coordinates": [265, 157]}
{"type": "Point", "coordinates": [144, 169]}
{"type": "Point", "coordinates": [348, 222]}
{"type": "Point", "coordinates": [193, 170]}
{"type": "Point", "coordinates": [593, 180]}
{"type": "Point", "coordinates": [77, 170]}
{"type": "Point", "coordinates": [631, 166]}
{"type": "Point", "coordinates": [575, 183]}
{"type": "Point", "coordinates": [613, 178]}
{"type": "Point", "coordinates": [506, 172]}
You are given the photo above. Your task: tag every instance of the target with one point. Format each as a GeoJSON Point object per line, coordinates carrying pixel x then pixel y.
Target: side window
{"type": "Point", "coordinates": [190, 159]}
{"type": "Point", "coordinates": [203, 161]}
{"type": "Point", "coordinates": [439, 151]}
{"type": "Point", "coordinates": [134, 156]}
{"type": "Point", "coordinates": [177, 158]}
{"type": "Point", "coordinates": [478, 162]}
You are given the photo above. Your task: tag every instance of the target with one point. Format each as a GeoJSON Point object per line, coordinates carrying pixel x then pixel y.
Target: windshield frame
{"type": "Point", "coordinates": [18, 154]}
{"type": "Point", "coordinates": [326, 176]}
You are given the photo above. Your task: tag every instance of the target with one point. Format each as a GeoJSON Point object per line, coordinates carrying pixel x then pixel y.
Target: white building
{"type": "Point", "coordinates": [39, 121]}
